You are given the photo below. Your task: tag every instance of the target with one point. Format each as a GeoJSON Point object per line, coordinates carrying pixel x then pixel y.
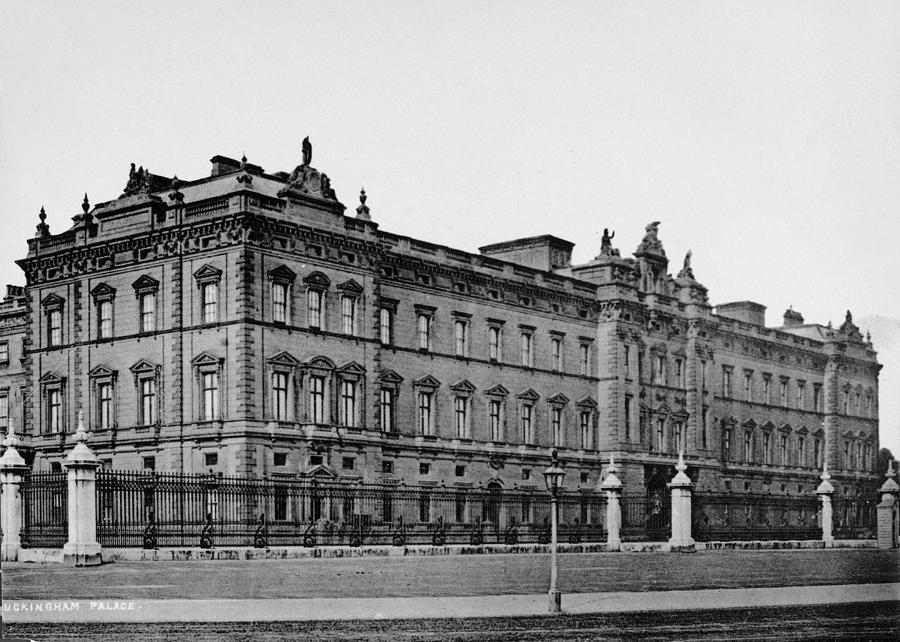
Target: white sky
{"type": "Point", "coordinates": [764, 135]}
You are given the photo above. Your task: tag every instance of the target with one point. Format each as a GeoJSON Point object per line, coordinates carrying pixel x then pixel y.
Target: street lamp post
{"type": "Point", "coordinates": [553, 476]}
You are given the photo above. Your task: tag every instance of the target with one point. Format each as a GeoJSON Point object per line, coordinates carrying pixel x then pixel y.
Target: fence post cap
{"type": "Point", "coordinates": [81, 453]}
{"type": "Point", "coordinates": [612, 481]}
{"type": "Point", "coordinates": [681, 479]}
{"type": "Point", "coordinates": [889, 485]}
{"type": "Point", "coordinates": [11, 459]}
{"type": "Point", "coordinates": [825, 488]}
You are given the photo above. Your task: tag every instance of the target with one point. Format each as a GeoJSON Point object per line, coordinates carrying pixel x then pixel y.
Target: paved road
{"type": "Point", "coordinates": [450, 576]}
{"type": "Point", "coordinates": [870, 621]}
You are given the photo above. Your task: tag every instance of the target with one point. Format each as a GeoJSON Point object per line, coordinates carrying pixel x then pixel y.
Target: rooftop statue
{"type": "Point", "coordinates": [650, 243]}
{"type": "Point", "coordinates": [307, 151]}
{"type": "Point", "coordinates": [686, 271]}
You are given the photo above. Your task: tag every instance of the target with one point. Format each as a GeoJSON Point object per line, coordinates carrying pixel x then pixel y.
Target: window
{"type": "Point", "coordinates": [585, 355]}
{"type": "Point", "coordinates": [526, 418]}
{"type": "Point", "coordinates": [209, 295]}
{"type": "Point", "coordinates": [859, 455]}
{"type": "Point", "coordinates": [703, 375]}
{"type": "Point", "coordinates": [54, 322]}
{"type": "Point", "coordinates": [424, 469]}
{"type": "Point", "coordinates": [54, 411]}
{"type": "Point", "coordinates": [4, 410]}
{"type": "Point", "coordinates": [527, 356]}
{"type": "Point", "coordinates": [280, 302]}
{"type": "Point", "coordinates": [659, 370]}
{"type": "Point", "coordinates": [801, 389]}
{"type": "Point", "coordinates": [704, 428]}
{"type": "Point", "coordinates": [846, 454]}
{"type": "Point", "coordinates": [4, 352]}
{"type": "Point", "coordinates": [210, 459]}
{"type": "Point", "coordinates": [423, 324]}
{"type": "Point", "coordinates": [767, 388]}
{"type": "Point", "coordinates": [766, 449]}
{"type": "Point", "coordinates": [461, 332]}
{"type": "Point", "coordinates": [784, 392]}
{"type": "Point", "coordinates": [425, 415]}
{"type": "Point", "coordinates": [348, 404]}
{"type": "Point", "coordinates": [348, 463]}
{"type": "Point", "coordinates": [280, 459]}
{"type": "Point", "coordinates": [387, 466]}
{"type": "Point", "coordinates": [460, 472]}
{"type": "Point", "coordinates": [317, 399]}
{"type": "Point", "coordinates": [147, 303]}
{"type": "Point", "coordinates": [726, 381]}
{"type": "Point", "coordinates": [858, 403]}
{"type": "Point", "coordinates": [661, 435]}
{"type": "Point", "coordinates": [495, 343]}
{"type": "Point", "coordinates": [314, 308]}
{"type": "Point", "coordinates": [748, 446]}
{"type": "Point", "coordinates": [801, 451]}
{"type": "Point", "coordinates": [348, 315]}
{"type": "Point", "coordinates": [817, 397]}
{"type": "Point", "coordinates": [748, 386]}
{"type": "Point", "coordinates": [280, 396]}
{"type": "Point", "coordinates": [869, 406]}
{"type": "Point", "coordinates": [149, 463]}
{"type": "Point", "coordinates": [148, 402]}
{"type": "Point", "coordinates": [210, 388]}
{"type": "Point", "coordinates": [526, 474]}
{"type": "Point", "coordinates": [679, 373]}
{"type": "Point", "coordinates": [105, 319]}
{"type": "Point", "coordinates": [726, 444]}
{"type": "Point", "coordinates": [495, 413]}
{"type": "Point", "coordinates": [386, 326]}
{"type": "Point", "coordinates": [386, 406]}
{"type": "Point", "coordinates": [584, 423]}
{"type": "Point", "coordinates": [556, 354]}
{"type": "Point", "coordinates": [556, 425]}
{"type": "Point", "coordinates": [817, 452]}
{"type": "Point", "coordinates": [461, 416]}
{"type": "Point", "coordinates": [627, 418]}
{"type": "Point", "coordinates": [627, 357]}
{"type": "Point", "coordinates": [679, 436]}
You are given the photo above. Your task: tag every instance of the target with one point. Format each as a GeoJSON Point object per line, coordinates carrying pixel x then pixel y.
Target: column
{"type": "Point", "coordinates": [888, 511]}
{"type": "Point", "coordinates": [82, 549]}
{"type": "Point", "coordinates": [12, 470]}
{"type": "Point", "coordinates": [613, 488]}
{"type": "Point", "coordinates": [681, 485]}
{"type": "Point", "coordinates": [825, 491]}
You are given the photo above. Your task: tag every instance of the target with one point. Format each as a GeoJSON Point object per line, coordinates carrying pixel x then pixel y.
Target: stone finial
{"type": "Point", "coordinates": [85, 204]}
{"type": "Point", "coordinates": [81, 452]}
{"type": "Point", "coordinates": [890, 485]}
{"type": "Point", "coordinates": [11, 439]}
{"type": "Point", "coordinates": [176, 195]}
{"type": "Point", "coordinates": [42, 228]}
{"type": "Point", "coordinates": [681, 478]}
{"type": "Point", "coordinates": [11, 457]}
{"type": "Point", "coordinates": [362, 212]}
{"type": "Point", "coordinates": [244, 177]}
{"type": "Point", "coordinates": [611, 481]}
{"type": "Point", "coordinates": [825, 488]}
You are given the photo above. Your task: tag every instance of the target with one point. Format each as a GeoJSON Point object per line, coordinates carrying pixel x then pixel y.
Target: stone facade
{"type": "Point", "coordinates": [13, 391]}
{"type": "Point", "coordinates": [242, 323]}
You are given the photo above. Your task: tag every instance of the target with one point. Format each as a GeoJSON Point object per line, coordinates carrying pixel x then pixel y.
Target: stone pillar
{"type": "Point", "coordinates": [12, 469]}
{"type": "Point", "coordinates": [888, 522]}
{"type": "Point", "coordinates": [613, 487]}
{"type": "Point", "coordinates": [82, 549]}
{"type": "Point", "coordinates": [681, 485]}
{"type": "Point", "coordinates": [825, 491]}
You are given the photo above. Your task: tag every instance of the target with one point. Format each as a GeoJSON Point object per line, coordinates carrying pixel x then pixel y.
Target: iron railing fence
{"type": "Point", "coordinates": [169, 509]}
{"type": "Point", "coordinates": [855, 517]}
{"type": "Point", "coordinates": [45, 510]}
{"type": "Point", "coordinates": [646, 517]}
{"type": "Point", "coordinates": [732, 516]}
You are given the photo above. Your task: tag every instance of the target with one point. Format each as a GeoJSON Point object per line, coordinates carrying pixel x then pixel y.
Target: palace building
{"type": "Point", "coordinates": [243, 323]}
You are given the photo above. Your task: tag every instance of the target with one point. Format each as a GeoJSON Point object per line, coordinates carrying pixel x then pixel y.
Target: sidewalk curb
{"type": "Point", "coordinates": [330, 609]}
